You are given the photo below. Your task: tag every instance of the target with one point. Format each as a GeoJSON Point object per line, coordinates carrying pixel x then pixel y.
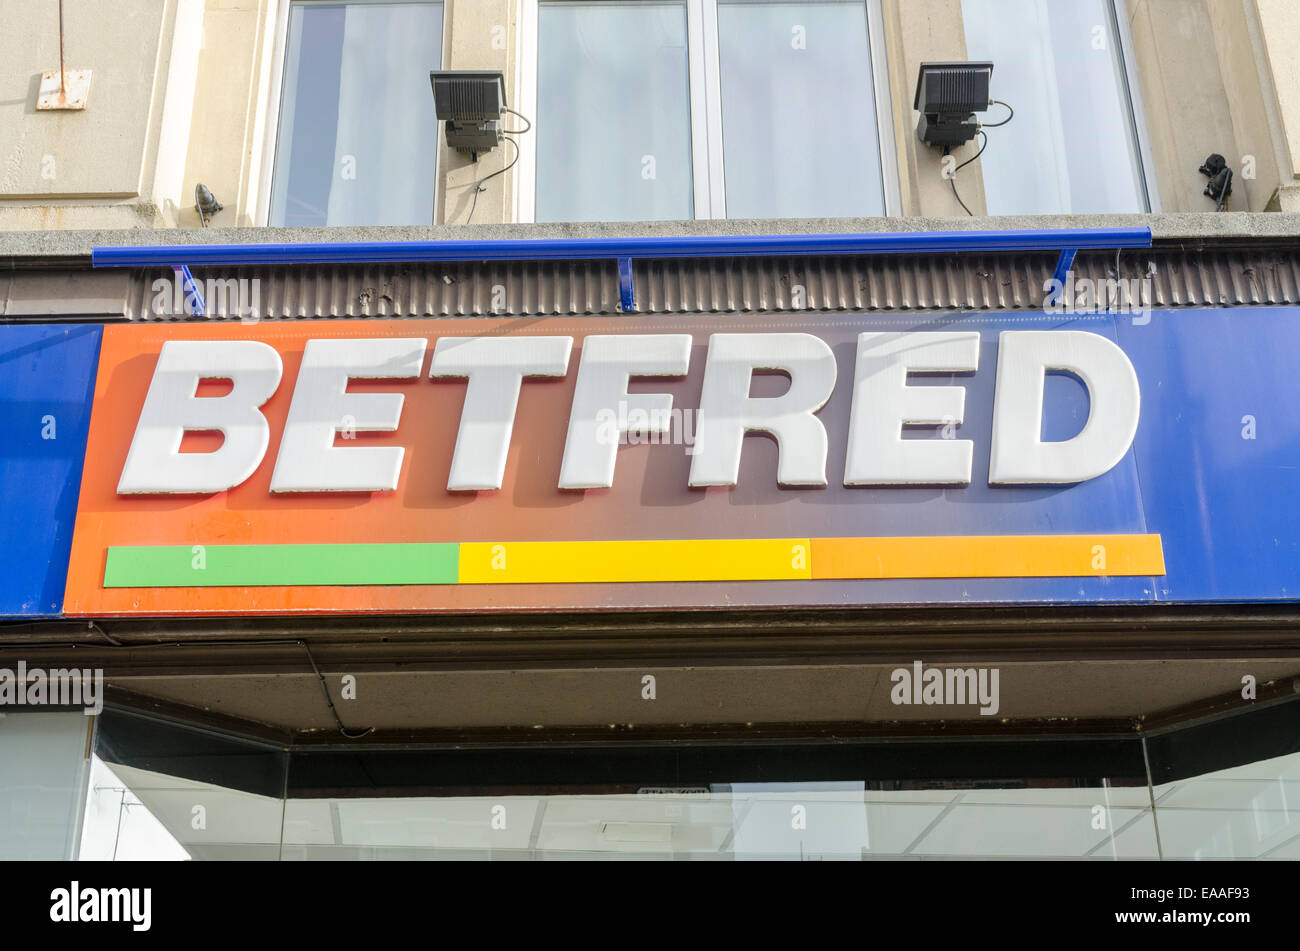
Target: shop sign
{"type": "Point", "coordinates": [445, 465]}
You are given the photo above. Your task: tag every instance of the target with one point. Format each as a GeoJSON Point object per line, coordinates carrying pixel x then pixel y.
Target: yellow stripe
{"type": "Point", "coordinates": [772, 559]}
{"type": "Point", "coordinates": [727, 559]}
{"type": "Point", "coordinates": [988, 556]}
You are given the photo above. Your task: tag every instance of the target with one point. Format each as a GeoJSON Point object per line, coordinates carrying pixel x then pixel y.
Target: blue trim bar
{"type": "Point", "coordinates": [195, 305]}
{"type": "Point", "coordinates": [575, 249]}
{"type": "Point", "coordinates": [1063, 265]}
{"type": "Point", "coordinates": [626, 295]}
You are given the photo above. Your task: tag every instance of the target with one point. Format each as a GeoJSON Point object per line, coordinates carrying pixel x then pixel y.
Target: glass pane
{"type": "Point", "coordinates": [1070, 148]}
{"type": "Point", "coordinates": [358, 135]}
{"type": "Point", "coordinates": [613, 112]}
{"type": "Point", "coordinates": [164, 792]}
{"type": "Point", "coordinates": [1053, 799]}
{"type": "Point", "coordinates": [798, 111]}
{"type": "Point", "coordinates": [42, 779]}
{"type": "Point", "coordinates": [807, 820]}
{"type": "Point", "coordinates": [766, 821]}
{"type": "Point", "coordinates": [1246, 812]}
{"type": "Point", "coordinates": [1102, 820]}
{"type": "Point", "coordinates": [1231, 789]}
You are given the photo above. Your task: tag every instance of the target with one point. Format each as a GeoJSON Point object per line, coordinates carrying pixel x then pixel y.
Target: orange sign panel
{"type": "Point", "coordinates": [193, 502]}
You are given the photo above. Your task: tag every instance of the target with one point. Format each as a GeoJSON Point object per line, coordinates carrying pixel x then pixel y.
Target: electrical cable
{"type": "Point", "coordinates": [478, 186]}
{"type": "Point", "coordinates": [505, 134]}
{"type": "Point", "coordinates": [983, 146]}
{"type": "Point", "coordinates": [1011, 114]}
{"type": "Point", "coordinates": [953, 183]}
{"type": "Point", "coordinates": [107, 636]}
{"type": "Point", "coordinates": [952, 179]}
{"type": "Point", "coordinates": [529, 125]}
{"type": "Point", "coordinates": [328, 700]}
{"type": "Point", "coordinates": [1224, 191]}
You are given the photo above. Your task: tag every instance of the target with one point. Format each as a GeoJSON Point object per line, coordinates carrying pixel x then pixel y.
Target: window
{"type": "Point", "coordinates": [1072, 147]}
{"type": "Point", "coordinates": [669, 109]}
{"type": "Point", "coordinates": [799, 136]}
{"type": "Point", "coordinates": [357, 132]}
{"type": "Point", "coordinates": [613, 112]}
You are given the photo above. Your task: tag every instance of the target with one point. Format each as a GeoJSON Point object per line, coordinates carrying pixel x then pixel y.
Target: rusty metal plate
{"type": "Point", "coordinates": [72, 94]}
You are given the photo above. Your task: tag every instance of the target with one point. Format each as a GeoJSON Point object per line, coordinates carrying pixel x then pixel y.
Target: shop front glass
{"type": "Point", "coordinates": [1223, 790]}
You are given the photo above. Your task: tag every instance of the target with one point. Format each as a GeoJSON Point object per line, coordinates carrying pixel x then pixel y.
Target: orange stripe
{"type": "Point", "coordinates": [988, 556]}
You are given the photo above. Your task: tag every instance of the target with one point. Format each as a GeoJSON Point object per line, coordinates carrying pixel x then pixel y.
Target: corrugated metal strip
{"type": "Point", "coordinates": [1212, 277]}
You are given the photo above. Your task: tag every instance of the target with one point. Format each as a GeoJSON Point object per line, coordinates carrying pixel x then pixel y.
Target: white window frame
{"type": "Point", "coordinates": [710, 200]}
{"type": "Point", "coordinates": [271, 138]}
{"type": "Point", "coordinates": [1137, 111]}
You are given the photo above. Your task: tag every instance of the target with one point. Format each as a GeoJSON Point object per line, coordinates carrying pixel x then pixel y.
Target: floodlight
{"type": "Point", "coordinates": [470, 102]}
{"type": "Point", "coordinates": [948, 95]}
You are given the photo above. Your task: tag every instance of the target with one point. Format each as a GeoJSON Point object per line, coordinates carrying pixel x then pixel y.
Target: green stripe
{"type": "Point", "coordinates": [207, 566]}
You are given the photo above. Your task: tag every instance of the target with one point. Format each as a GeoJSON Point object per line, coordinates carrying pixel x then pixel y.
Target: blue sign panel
{"type": "Point", "coordinates": [1110, 503]}
{"type": "Point", "coordinates": [1218, 449]}
{"type": "Point", "coordinates": [1214, 469]}
{"type": "Point", "coordinates": [47, 380]}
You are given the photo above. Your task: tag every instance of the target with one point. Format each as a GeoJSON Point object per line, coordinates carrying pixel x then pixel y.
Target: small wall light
{"type": "Point", "coordinates": [205, 203]}
{"type": "Point", "coordinates": [1220, 185]}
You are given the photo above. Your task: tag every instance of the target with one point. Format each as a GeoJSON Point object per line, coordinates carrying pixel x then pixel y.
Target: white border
{"type": "Point", "coordinates": [526, 96]}
{"type": "Point", "coordinates": [1137, 111]}
{"type": "Point", "coordinates": [712, 82]}
{"type": "Point", "coordinates": [703, 131]}
{"type": "Point", "coordinates": [272, 129]}
{"type": "Point", "coordinates": [888, 142]}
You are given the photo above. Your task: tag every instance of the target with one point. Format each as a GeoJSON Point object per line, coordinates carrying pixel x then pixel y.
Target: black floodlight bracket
{"type": "Point", "coordinates": [948, 95]}
{"type": "Point", "coordinates": [470, 102]}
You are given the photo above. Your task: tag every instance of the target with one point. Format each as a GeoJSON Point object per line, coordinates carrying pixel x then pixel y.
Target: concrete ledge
{"type": "Point", "coordinates": [29, 245]}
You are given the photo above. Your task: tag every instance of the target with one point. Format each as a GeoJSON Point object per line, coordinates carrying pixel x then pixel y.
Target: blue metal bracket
{"type": "Point", "coordinates": [1063, 265]}
{"type": "Point", "coordinates": [195, 305]}
{"type": "Point", "coordinates": [626, 297]}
